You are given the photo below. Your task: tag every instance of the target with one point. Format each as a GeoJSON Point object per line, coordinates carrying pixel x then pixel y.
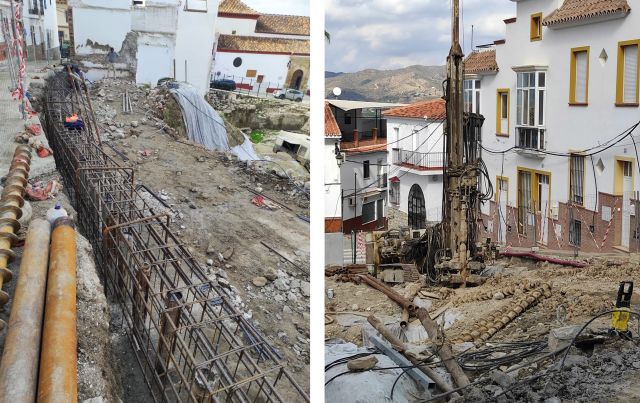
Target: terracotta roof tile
{"type": "Point", "coordinates": [366, 149]}
{"type": "Point", "coordinates": [577, 10]}
{"type": "Point", "coordinates": [236, 7]}
{"type": "Point", "coordinates": [263, 45]}
{"type": "Point", "coordinates": [283, 24]}
{"type": "Point", "coordinates": [331, 128]}
{"type": "Point", "coordinates": [432, 109]}
{"type": "Point", "coordinates": [481, 62]}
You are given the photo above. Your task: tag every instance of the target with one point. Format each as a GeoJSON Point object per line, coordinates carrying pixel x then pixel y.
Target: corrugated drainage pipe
{"type": "Point", "coordinates": [19, 365]}
{"type": "Point", "coordinates": [58, 381]}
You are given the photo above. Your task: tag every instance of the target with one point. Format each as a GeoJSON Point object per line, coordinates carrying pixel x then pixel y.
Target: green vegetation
{"type": "Point", "coordinates": [257, 136]}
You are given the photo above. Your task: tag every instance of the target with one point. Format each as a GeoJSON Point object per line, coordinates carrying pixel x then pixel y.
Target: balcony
{"type": "Point", "coordinates": [418, 161]}
{"type": "Point", "coordinates": [359, 138]}
{"type": "Point", "coordinates": [530, 142]}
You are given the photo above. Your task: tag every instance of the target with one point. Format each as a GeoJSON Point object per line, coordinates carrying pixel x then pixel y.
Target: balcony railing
{"type": "Point", "coordinates": [417, 160]}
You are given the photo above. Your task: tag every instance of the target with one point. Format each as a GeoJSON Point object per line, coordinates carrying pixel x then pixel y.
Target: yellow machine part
{"type": "Point", "coordinates": [620, 320]}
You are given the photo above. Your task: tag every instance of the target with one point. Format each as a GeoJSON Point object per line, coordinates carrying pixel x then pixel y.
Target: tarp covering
{"type": "Point", "coordinates": [204, 125]}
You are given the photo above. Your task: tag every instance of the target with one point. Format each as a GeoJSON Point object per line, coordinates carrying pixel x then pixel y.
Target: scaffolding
{"type": "Point", "coordinates": [192, 343]}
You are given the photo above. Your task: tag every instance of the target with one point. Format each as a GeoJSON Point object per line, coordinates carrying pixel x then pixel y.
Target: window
{"type": "Point", "coordinates": [251, 73]}
{"type": "Point", "coordinates": [396, 132]}
{"type": "Point", "coordinates": [233, 32]}
{"type": "Point", "coordinates": [260, 79]}
{"type": "Point", "coordinates": [138, 3]}
{"type": "Point", "coordinates": [199, 6]}
{"type": "Point", "coordinates": [536, 27]}
{"type": "Point", "coordinates": [576, 179]}
{"type": "Point", "coordinates": [579, 76]}
{"type": "Point", "coordinates": [472, 96]}
{"type": "Point", "coordinates": [237, 62]}
{"type": "Point", "coordinates": [628, 73]}
{"type": "Point", "coordinates": [530, 112]}
{"type": "Point", "coordinates": [368, 212]}
{"type": "Point", "coordinates": [525, 200]}
{"type": "Point", "coordinates": [534, 190]}
{"type": "Point", "coordinates": [347, 118]}
{"type": "Point", "coordinates": [575, 232]}
{"type": "Point", "coordinates": [365, 169]}
{"type": "Point", "coordinates": [502, 112]}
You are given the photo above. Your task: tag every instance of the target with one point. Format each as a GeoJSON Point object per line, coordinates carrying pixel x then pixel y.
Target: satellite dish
{"type": "Point", "coordinates": [337, 91]}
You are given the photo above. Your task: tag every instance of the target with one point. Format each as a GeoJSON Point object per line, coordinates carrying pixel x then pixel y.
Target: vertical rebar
{"type": "Point", "coordinates": [19, 366]}
{"type": "Point", "coordinates": [168, 324]}
{"type": "Point", "coordinates": [58, 381]}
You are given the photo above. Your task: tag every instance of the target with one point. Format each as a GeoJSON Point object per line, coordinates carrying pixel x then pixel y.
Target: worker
{"type": "Point", "coordinates": [112, 56]}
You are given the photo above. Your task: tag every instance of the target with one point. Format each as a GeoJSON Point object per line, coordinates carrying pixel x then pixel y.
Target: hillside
{"type": "Point", "coordinates": [404, 85]}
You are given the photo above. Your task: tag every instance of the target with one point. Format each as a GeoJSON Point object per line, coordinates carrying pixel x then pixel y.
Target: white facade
{"type": "Point", "coordinates": [364, 186]}
{"type": "Point", "coordinates": [415, 158]}
{"type": "Point", "coordinates": [174, 38]}
{"type": "Point", "coordinates": [332, 190]}
{"type": "Point", "coordinates": [40, 28]}
{"type": "Point", "coordinates": [236, 26]}
{"type": "Point", "coordinates": [568, 128]}
{"type": "Point", "coordinates": [272, 67]}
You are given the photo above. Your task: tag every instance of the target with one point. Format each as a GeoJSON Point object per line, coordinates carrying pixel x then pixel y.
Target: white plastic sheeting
{"type": "Point", "coordinates": [204, 125]}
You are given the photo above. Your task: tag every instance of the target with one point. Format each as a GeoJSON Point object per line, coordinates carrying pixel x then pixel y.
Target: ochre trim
{"type": "Point", "coordinates": [573, 73]}
{"type": "Point", "coordinates": [535, 29]}
{"type": "Point", "coordinates": [620, 74]}
{"type": "Point", "coordinates": [499, 128]}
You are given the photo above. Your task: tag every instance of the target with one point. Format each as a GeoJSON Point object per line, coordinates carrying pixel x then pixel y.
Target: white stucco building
{"type": "Point", "coordinates": [155, 38]}
{"type": "Point", "coordinates": [261, 52]}
{"type": "Point", "coordinates": [560, 86]}
{"type": "Point", "coordinates": [414, 146]}
{"type": "Point", "coordinates": [40, 28]}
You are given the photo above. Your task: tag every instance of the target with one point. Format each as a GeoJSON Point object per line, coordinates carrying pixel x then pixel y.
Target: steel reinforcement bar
{"type": "Point", "coordinates": [191, 342]}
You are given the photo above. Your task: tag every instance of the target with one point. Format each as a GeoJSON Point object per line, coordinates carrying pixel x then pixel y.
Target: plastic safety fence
{"type": "Point", "coordinates": [191, 343]}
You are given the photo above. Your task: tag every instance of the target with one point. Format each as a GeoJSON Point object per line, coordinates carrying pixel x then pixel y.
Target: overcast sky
{"type": "Point", "coordinates": [389, 34]}
{"type": "Point", "coordinates": [291, 7]}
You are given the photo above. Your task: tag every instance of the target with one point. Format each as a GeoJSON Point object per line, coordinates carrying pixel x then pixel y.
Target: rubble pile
{"type": "Point", "coordinates": [503, 333]}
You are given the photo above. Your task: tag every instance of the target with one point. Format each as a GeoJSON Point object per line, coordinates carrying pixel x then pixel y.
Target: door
{"type": "Point", "coordinates": [417, 211]}
{"type": "Point", "coordinates": [627, 188]}
{"type": "Point", "coordinates": [503, 187]}
{"type": "Point", "coordinates": [543, 206]}
{"type": "Point", "coordinates": [380, 214]}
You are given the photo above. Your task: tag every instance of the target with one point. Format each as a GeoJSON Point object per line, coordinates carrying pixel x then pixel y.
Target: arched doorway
{"type": "Point", "coordinates": [417, 211]}
{"type": "Point", "coordinates": [296, 79]}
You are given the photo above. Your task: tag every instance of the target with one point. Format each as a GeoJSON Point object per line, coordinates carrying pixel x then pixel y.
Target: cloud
{"type": "Point", "coordinates": [291, 7]}
{"type": "Point", "coordinates": [387, 34]}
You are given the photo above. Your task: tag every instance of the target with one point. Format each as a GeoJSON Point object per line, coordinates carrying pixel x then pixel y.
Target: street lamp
{"type": "Point", "coordinates": [339, 154]}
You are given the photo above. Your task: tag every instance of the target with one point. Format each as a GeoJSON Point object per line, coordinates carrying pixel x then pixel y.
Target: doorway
{"type": "Point", "coordinates": [296, 79]}
{"type": "Point", "coordinates": [416, 210]}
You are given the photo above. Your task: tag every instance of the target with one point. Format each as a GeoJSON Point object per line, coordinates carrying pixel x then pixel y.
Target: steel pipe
{"type": "Point", "coordinates": [390, 292]}
{"type": "Point", "coordinates": [19, 365]}
{"type": "Point", "coordinates": [11, 202]}
{"type": "Point", "coordinates": [58, 381]}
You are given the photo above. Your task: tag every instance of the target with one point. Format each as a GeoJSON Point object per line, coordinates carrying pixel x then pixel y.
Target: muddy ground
{"type": "Point", "coordinates": [602, 372]}
{"type": "Point", "coordinates": [209, 195]}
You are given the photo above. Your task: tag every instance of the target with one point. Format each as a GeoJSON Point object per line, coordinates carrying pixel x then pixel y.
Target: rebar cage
{"type": "Point", "coordinates": [192, 343]}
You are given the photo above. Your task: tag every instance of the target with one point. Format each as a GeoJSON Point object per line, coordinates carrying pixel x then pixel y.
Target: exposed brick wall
{"type": "Point", "coordinates": [590, 242]}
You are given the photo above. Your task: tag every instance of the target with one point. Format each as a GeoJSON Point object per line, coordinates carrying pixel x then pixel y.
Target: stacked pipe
{"type": "Point", "coordinates": [485, 328]}
{"type": "Point", "coordinates": [11, 202]}
{"type": "Point", "coordinates": [506, 292]}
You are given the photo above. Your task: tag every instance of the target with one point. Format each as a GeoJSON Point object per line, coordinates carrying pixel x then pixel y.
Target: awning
{"type": "Point", "coordinates": [350, 105]}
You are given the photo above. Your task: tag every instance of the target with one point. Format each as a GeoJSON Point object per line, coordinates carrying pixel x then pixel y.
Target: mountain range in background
{"type": "Point", "coordinates": [405, 85]}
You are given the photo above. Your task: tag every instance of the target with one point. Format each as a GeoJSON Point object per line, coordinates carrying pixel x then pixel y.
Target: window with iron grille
{"type": "Point", "coordinates": [394, 192]}
{"type": "Point", "coordinates": [368, 212]}
{"type": "Point", "coordinates": [576, 179]}
{"type": "Point", "coordinates": [575, 232]}
{"type": "Point", "coordinates": [366, 171]}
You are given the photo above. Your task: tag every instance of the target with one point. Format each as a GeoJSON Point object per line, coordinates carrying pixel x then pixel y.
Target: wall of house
{"type": "Point", "coordinates": [91, 38]}
{"type": "Point", "coordinates": [194, 43]}
{"type": "Point", "coordinates": [45, 24]}
{"type": "Point", "coordinates": [61, 15]}
{"type": "Point", "coordinates": [155, 58]}
{"type": "Point", "coordinates": [431, 186]}
{"type": "Point", "coordinates": [332, 190]}
{"type": "Point", "coordinates": [568, 128]}
{"type": "Point", "coordinates": [273, 67]}
{"type": "Point", "coordinates": [242, 26]}
{"type": "Point", "coordinates": [352, 177]}
{"type": "Point", "coordinates": [414, 134]}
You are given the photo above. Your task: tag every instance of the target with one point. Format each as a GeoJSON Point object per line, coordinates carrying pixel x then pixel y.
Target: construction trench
{"type": "Point", "coordinates": [191, 342]}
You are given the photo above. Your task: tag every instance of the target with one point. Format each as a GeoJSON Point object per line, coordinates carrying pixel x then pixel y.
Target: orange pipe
{"type": "Point", "coordinates": [58, 382]}
{"type": "Point", "coordinates": [19, 366]}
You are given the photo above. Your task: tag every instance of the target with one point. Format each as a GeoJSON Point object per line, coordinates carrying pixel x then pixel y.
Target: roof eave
{"type": "Point", "coordinates": [587, 20]}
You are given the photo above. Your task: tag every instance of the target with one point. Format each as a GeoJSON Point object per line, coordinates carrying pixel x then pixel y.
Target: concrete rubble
{"type": "Point", "coordinates": [519, 360]}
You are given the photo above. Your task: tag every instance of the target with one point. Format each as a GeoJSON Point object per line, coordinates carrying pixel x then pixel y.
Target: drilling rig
{"type": "Point", "coordinates": [450, 252]}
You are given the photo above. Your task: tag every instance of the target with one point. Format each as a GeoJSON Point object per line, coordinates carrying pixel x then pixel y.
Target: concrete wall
{"type": "Point", "coordinates": [155, 58]}
{"type": "Point", "coordinates": [334, 249]}
{"type": "Point", "coordinates": [91, 38]}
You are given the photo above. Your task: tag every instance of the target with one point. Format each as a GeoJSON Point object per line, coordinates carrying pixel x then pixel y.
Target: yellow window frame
{"type": "Point", "coordinates": [534, 188]}
{"type": "Point", "coordinates": [584, 177]}
{"type": "Point", "coordinates": [504, 179]}
{"type": "Point", "coordinates": [573, 76]}
{"type": "Point", "coordinates": [499, 128]}
{"type": "Point", "coordinates": [620, 74]}
{"type": "Point", "coordinates": [617, 174]}
{"type": "Point", "coordinates": [535, 32]}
